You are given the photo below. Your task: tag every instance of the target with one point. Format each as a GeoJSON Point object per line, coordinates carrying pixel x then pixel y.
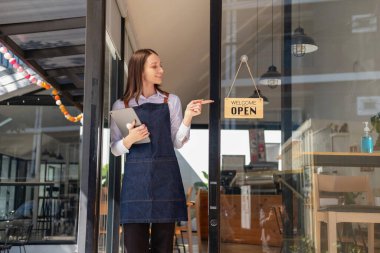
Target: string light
{"type": "Point", "coordinates": [43, 84]}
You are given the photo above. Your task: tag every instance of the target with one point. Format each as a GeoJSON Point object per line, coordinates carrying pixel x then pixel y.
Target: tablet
{"type": "Point", "coordinates": [122, 117]}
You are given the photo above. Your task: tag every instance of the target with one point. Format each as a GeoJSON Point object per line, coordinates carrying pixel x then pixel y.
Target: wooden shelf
{"type": "Point", "coordinates": [347, 159]}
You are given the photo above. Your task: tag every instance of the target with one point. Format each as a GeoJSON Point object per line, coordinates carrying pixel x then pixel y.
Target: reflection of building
{"type": "Point", "coordinates": [257, 145]}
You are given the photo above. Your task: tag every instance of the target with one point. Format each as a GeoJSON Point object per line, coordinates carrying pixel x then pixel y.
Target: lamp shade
{"type": "Point", "coordinates": [302, 44]}
{"type": "Point", "coordinates": [256, 95]}
{"type": "Point", "coordinates": [45, 153]}
{"type": "Point", "coordinates": [272, 77]}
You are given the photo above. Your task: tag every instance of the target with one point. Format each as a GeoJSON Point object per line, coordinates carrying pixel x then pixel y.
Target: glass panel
{"type": "Point", "coordinates": [11, 80]}
{"type": "Point", "coordinates": [63, 61]}
{"type": "Point", "coordinates": [283, 174]}
{"type": "Point", "coordinates": [42, 10]}
{"type": "Point", "coordinates": [193, 160]}
{"type": "Point", "coordinates": [39, 158]}
{"type": "Point", "coordinates": [103, 215]}
{"type": "Point", "coordinates": [42, 40]}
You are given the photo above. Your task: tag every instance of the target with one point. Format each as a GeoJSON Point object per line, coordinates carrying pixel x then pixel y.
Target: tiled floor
{"type": "Point", "coordinates": [229, 248]}
{"type": "Point", "coordinates": [238, 248]}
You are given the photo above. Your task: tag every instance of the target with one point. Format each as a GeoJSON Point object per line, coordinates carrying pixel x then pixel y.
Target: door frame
{"type": "Point", "coordinates": [214, 126]}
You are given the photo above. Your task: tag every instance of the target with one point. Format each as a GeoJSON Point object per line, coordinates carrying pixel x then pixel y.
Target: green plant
{"type": "Point", "coordinates": [201, 184]}
{"type": "Point", "coordinates": [350, 197]}
{"type": "Point", "coordinates": [104, 179]}
{"type": "Point", "coordinates": [350, 248]}
{"type": "Point", "coordinates": [375, 121]}
{"type": "Point", "coordinates": [303, 245]}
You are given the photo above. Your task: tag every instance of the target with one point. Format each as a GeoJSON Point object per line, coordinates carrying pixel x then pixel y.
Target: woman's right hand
{"type": "Point", "coordinates": [135, 134]}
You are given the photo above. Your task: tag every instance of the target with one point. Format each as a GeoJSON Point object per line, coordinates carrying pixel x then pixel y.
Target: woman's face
{"type": "Point", "coordinates": [153, 71]}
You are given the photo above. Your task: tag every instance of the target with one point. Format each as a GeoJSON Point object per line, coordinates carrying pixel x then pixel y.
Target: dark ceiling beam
{"type": "Point", "coordinates": [71, 73]}
{"type": "Point", "coordinates": [33, 92]}
{"type": "Point", "coordinates": [66, 94]}
{"type": "Point", "coordinates": [42, 26]}
{"type": "Point", "coordinates": [77, 92]}
{"type": "Point", "coordinates": [63, 71]}
{"type": "Point", "coordinates": [34, 100]}
{"type": "Point", "coordinates": [33, 65]}
{"type": "Point", "coordinates": [76, 80]}
{"type": "Point", "coordinates": [68, 86]}
{"type": "Point", "coordinates": [13, 46]}
{"type": "Point", "coordinates": [78, 98]}
{"type": "Point", "coordinates": [54, 52]}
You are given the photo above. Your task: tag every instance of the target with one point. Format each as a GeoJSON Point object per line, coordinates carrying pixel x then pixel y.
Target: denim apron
{"type": "Point", "coordinates": [152, 190]}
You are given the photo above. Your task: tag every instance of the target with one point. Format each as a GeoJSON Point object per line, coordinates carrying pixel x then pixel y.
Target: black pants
{"type": "Point", "coordinates": [136, 237]}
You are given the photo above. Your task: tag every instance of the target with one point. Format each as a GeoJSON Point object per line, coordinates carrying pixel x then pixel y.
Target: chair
{"type": "Point", "coordinates": [198, 215]}
{"type": "Point", "coordinates": [278, 214]}
{"type": "Point", "coordinates": [186, 230]}
{"type": "Point", "coordinates": [19, 232]}
{"type": "Point", "coordinates": [281, 217]}
{"type": "Point", "coordinates": [103, 212]}
{"type": "Point", "coordinates": [334, 214]}
{"type": "Point", "coordinates": [201, 195]}
{"type": "Point", "coordinates": [4, 245]}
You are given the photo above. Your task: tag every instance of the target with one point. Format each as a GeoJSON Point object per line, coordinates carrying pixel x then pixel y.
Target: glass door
{"type": "Point", "coordinates": [251, 202]}
{"type": "Point", "coordinates": [320, 96]}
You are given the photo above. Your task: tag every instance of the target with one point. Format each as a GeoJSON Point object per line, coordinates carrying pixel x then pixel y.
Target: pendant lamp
{"type": "Point", "coordinates": [272, 77]}
{"type": "Point", "coordinates": [45, 152]}
{"type": "Point", "coordinates": [59, 156]}
{"type": "Point", "coordinates": [301, 43]}
{"type": "Point", "coordinates": [256, 95]}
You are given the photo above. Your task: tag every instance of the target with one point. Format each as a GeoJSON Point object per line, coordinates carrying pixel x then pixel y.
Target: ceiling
{"type": "Point", "coordinates": [49, 37]}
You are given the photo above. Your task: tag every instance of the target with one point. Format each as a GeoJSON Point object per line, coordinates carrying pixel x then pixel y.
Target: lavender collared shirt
{"type": "Point", "coordinates": [180, 132]}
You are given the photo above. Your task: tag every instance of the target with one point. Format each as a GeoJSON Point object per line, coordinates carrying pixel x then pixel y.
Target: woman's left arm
{"type": "Point", "coordinates": [180, 132]}
{"type": "Point", "coordinates": [181, 127]}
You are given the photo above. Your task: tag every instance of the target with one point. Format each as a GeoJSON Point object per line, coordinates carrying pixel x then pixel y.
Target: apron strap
{"type": "Point", "coordinates": [126, 103]}
{"type": "Point", "coordinates": [166, 98]}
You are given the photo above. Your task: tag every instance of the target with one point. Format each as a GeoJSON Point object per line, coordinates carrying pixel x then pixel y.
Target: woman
{"type": "Point", "coordinates": [152, 195]}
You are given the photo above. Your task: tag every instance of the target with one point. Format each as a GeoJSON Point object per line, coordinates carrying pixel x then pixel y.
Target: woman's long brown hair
{"type": "Point", "coordinates": [135, 72]}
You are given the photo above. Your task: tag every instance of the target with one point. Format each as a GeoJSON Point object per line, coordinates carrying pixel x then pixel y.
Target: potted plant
{"type": "Point", "coordinates": [303, 245]}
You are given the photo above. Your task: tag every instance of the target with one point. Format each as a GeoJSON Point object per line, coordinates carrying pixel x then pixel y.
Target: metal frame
{"type": "Point", "coordinates": [214, 125]}
{"type": "Point", "coordinates": [42, 26]}
{"type": "Point", "coordinates": [286, 117]}
{"type": "Point", "coordinates": [88, 226]}
{"type": "Point", "coordinates": [114, 174]}
{"type": "Point", "coordinates": [41, 100]}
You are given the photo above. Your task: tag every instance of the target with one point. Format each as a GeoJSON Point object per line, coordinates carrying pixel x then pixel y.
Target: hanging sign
{"type": "Point", "coordinates": [243, 108]}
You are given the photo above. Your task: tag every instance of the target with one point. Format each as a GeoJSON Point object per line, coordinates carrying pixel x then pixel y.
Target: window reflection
{"type": "Point", "coordinates": [39, 169]}
{"type": "Point", "coordinates": [329, 93]}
